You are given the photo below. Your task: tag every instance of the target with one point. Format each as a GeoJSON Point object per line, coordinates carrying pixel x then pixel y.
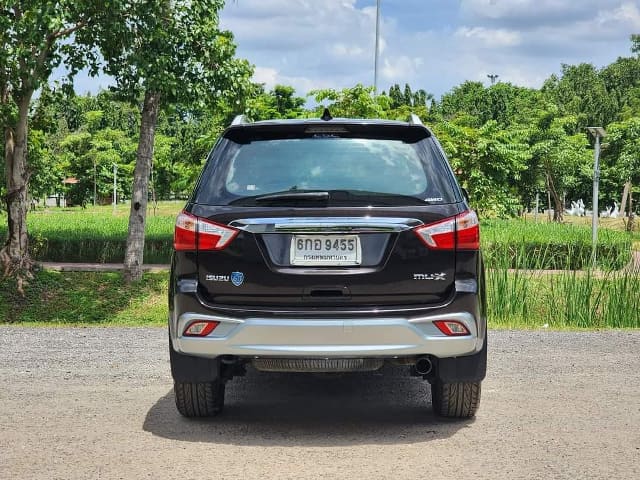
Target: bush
{"type": "Point", "coordinates": [99, 236]}
{"type": "Point", "coordinates": [551, 246]}
{"type": "Point", "coordinates": [81, 236]}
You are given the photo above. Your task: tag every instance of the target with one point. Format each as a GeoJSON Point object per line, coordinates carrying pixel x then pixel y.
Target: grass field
{"type": "Point", "coordinates": [86, 298]}
{"type": "Point", "coordinates": [515, 300]}
{"type": "Point", "coordinates": [98, 234]}
{"type": "Point", "coordinates": [518, 299]}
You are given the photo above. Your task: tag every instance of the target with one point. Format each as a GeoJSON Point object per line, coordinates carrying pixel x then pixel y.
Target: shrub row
{"type": "Point", "coordinates": [568, 299]}
{"type": "Point", "coordinates": [81, 237]}
{"type": "Point", "coordinates": [76, 236]}
{"type": "Point", "coordinates": [548, 246]}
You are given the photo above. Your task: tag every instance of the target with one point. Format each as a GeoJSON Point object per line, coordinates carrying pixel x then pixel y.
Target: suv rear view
{"type": "Point", "coordinates": [327, 245]}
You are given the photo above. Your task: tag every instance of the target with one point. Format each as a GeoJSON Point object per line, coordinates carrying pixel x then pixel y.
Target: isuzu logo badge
{"type": "Point", "coordinates": [237, 278]}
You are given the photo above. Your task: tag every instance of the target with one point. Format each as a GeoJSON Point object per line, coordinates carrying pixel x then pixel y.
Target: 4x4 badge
{"type": "Point", "coordinates": [237, 278]}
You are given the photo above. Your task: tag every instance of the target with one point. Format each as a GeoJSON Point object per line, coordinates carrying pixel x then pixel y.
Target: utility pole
{"type": "Point", "coordinates": [377, 54]}
{"type": "Point", "coordinates": [598, 133]}
{"type": "Point", "coordinates": [493, 77]}
{"type": "Point", "coordinates": [95, 183]}
{"type": "Point", "coordinates": [115, 186]}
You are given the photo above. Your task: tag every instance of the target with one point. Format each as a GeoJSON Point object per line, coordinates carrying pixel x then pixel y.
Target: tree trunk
{"type": "Point", "coordinates": [138, 214]}
{"type": "Point", "coordinates": [14, 256]}
{"type": "Point", "coordinates": [557, 201]}
{"type": "Point", "coordinates": [630, 221]}
{"type": "Point", "coordinates": [625, 194]}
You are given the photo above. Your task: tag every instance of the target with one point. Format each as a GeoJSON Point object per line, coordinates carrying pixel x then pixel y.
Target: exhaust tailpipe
{"type": "Point", "coordinates": [423, 365]}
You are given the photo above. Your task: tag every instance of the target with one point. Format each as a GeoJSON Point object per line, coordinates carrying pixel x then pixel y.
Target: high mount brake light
{"type": "Point", "coordinates": [194, 233]}
{"type": "Point", "coordinates": [461, 232]}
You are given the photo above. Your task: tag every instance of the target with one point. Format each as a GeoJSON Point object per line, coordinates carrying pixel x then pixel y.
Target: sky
{"type": "Point", "coordinates": [430, 44]}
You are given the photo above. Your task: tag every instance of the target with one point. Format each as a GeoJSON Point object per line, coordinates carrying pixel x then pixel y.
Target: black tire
{"type": "Point", "coordinates": [197, 400]}
{"type": "Point", "coordinates": [455, 400]}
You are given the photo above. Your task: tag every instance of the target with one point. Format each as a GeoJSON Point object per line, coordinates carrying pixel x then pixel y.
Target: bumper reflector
{"type": "Point", "coordinates": [200, 328]}
{"type": "Point", "coordinates": [452, 328]}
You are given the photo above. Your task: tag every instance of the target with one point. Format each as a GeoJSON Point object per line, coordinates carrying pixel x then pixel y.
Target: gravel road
{"type": "Point", "coordinates": [98, 403]}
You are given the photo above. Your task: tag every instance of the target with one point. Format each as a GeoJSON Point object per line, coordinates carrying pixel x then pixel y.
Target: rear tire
{"type": "Point", "coordinates": [455, 400]}
{"type": "Point", "coordinates": [197, 400]}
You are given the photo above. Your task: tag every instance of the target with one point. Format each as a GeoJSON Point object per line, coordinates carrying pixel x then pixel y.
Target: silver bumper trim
{"type": "Point", "coordinates": [332, 337]}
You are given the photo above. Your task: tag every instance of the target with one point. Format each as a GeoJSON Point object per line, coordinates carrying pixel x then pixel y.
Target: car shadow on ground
{"type": "Point", "coordinates": [312, 410]}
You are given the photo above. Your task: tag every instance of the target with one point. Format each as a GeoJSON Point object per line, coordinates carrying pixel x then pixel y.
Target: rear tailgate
{"type": "Point", "coordinates": [379, 260]}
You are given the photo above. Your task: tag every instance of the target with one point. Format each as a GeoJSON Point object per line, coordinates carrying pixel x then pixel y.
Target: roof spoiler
{"type": "Point", "coordinates": [240, 120]}
{"type": "Point", "coordinates": [414, 120]}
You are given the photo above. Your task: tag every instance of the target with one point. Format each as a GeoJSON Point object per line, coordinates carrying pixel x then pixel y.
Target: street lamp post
{"type": "Point", "coordinates": [377, 54]}
{"type": "Point", "coordinates": [598, 133]}
{"type": "Point", "coordinates": [115, 186]}
{"type": "Point", "coordinates": [493, 77]}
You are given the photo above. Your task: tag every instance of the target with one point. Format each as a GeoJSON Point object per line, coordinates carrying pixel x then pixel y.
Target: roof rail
{"type": "Point", "coordinates": [415, 120]}
{"type": "Point", "coordinates": [239, 120]}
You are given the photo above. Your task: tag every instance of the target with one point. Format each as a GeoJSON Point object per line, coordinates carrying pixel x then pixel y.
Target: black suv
{"type": "Point", "coordinates": [327, 245]}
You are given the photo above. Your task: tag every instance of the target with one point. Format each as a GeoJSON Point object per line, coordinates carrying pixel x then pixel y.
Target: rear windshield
{"type": "Point", "coordinates": [373, 170]}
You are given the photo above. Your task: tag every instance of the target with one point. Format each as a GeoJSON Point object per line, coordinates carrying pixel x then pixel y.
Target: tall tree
{"type": "Point", "coordinates": [395, 95]}
{"type": "Point", "coordinates": [488, 161]}
{"type": "Point", "coordinates": [581, 92]}
{"type": "Point", "coordinates": [558, 154]}
{"type": "Point", "coordinates": [355, 102]}
{"type": "Point", "coordinates": [167, 52]}
{"type": "Point", "coordinates": [280, 102]}
{"type": "Point", "coordinates": [34, 40]}
{"type": "Point", "coordinates": [408, 96]}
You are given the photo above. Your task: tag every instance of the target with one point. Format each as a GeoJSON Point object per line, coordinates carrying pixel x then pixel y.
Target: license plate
{"type": "Point", "coordinates": [325, 250]}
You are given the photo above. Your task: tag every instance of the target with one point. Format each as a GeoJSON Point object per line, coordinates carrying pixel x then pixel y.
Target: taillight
{"type": "Point", "coordinates": [200, 328]}
{"type": "Point", "coordinates": [194, 233]}
{"type": "Point", "coordinates": [184, 235]}
{"type": "Point", "coordinates": [461, 232]}
{"type": "Point", "coordinates": [452, 328]}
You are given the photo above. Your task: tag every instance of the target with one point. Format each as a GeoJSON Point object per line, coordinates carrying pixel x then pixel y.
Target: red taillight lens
{"type": "Point", "coordinates": [212, 236]}
{"type": "Point", "coordinates": [461, 232]}
{"type": "Point", "coordinates": [200, 328]}
{"type": "Point", "coordinates": [184, 235]}
{"type": "Point", "coordinates": [193, 233]}
{"type": "Point", "coordinates": [452, 328]}
{"type": "Point", "coordinates": [468, 231]}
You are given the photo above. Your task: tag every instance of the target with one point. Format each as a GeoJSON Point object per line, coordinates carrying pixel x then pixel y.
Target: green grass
{"type": "Point", "coordinates": [98, 234]}
{"type": "Point", "coordinates": [564, 300]}
{"type": "Point", "coordinates": [524, 244]}
{"type": "Point", "coordinates": [523, 300]}
{"type": "Point", "coordinates": [85, 298]}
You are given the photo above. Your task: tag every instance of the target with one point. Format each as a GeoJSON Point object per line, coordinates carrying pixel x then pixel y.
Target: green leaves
{"type": "Point", "coordinates": [174, 48]}
{"type": "Point", "coordinates": [355, 102]}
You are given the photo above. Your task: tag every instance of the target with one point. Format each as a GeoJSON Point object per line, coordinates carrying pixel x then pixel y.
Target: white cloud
{"type": "Point", "coordinates": [342, 50]}
{"type": "Point", "coordinates": [398, 69]}
{"type": "Point", "coordinates": [312, 44]}
{"type": "Point", "coordinates": [534, 11]}
{"type": "Point", "coordinates": [490, 37]}
{"type": "Point", "coordinates": [266, 75]}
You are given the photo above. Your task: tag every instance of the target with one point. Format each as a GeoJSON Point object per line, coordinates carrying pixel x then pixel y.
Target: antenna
{"type": "Point", "coordinates": [326, 115]}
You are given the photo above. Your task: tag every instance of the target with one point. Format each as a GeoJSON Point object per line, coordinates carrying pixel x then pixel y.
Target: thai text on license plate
{"type": "Point", "coordinates": [326, 250]}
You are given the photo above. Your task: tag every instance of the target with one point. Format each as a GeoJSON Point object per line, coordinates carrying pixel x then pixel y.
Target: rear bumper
{"type": "Point", "coordinates": [331, 336]}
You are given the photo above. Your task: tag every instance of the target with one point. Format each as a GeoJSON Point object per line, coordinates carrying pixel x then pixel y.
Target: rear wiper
{"type": "Point", "coordinates": [292, 196]}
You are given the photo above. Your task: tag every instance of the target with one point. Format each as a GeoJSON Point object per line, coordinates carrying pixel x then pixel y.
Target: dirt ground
{"type": "Point", "coordinates": [98, 403]}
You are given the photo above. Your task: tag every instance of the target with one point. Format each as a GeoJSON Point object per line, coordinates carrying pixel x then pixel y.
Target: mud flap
{"type": "Point", "coordinates": [472, 368]}
{"type": "Point", "coordinates": [186, 368]}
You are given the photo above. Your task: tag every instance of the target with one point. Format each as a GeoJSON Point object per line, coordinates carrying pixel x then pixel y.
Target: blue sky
{"type": "Point", "coordinates": [430, 44]}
